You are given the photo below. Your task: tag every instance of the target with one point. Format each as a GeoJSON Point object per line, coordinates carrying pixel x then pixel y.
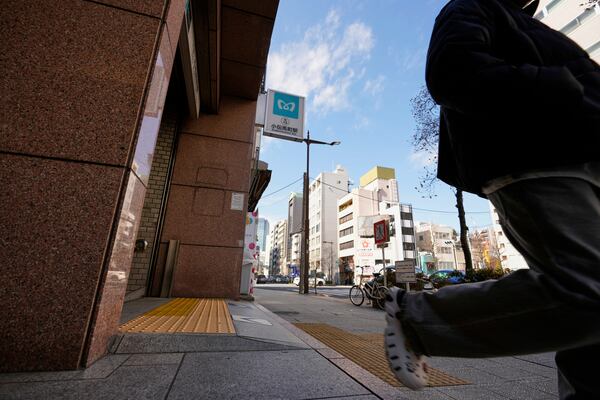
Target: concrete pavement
{"type": "Point", "coordinates": [269, 358]}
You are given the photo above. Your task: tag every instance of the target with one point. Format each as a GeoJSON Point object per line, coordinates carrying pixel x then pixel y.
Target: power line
{"type": "Point", "coordinates": [279, 190]}
{"type": "Point", "coordinates": [414, 208]}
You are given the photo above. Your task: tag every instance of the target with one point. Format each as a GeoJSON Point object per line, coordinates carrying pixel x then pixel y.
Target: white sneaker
{"type": "Point", "coordinates": [408, 367]}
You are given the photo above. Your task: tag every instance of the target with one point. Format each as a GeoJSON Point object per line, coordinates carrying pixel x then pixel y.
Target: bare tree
{"type": "Point", "coordinates": [425, 141]}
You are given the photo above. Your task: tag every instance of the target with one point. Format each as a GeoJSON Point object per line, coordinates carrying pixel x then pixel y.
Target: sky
{"type": "Point", "coordinates": [358, 62]}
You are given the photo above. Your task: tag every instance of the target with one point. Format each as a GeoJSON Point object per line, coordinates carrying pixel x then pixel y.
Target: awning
{"type": "Point", "coordinates": [260, 181]}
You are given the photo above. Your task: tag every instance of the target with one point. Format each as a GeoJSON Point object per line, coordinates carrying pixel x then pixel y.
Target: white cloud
{"type": "Point", "coordinates": [374, 86]}
{"type": "Point", "coordinates": [362, 122]}
{"type": "Point", "coordinates": [422, 158]}
{"type": "Point", "coordinates": [414, 59]}
{"type": "Point", "coordinates": [323, 63]}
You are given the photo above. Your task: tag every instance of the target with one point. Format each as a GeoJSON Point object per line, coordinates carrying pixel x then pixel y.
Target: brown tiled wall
{"type": "Point", "coordinates": [212, 163]}
{"type": "Point", "coordinates": [74, 79]}
{"type": "Point", "coordinates": [152, 203]}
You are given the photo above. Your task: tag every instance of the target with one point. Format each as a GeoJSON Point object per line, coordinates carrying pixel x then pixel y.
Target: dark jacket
{"type": "Point", "coordinates": [515, 95]}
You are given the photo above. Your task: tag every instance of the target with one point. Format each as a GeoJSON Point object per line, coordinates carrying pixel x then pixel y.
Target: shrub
{"type": "Point", "coordinates": [484, 274]}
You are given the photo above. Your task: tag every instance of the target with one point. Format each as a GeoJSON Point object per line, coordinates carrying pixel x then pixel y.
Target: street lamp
{"type": "Point", "coordinates": [305, 236]}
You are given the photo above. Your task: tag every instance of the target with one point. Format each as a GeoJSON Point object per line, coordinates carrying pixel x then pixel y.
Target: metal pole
{"type": "Point", "coordinates": [304, 273]}
{"type": "Point", "coordinates": [384, 270]}
{"type": "Point", "coordinates": [315, 278]}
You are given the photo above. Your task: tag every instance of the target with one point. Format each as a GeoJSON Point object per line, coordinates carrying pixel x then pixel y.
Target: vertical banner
{"type": "Point", "coordinates": [251, 250]}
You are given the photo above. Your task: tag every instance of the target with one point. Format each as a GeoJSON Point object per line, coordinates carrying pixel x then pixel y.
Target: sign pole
{"type": "Point", "coordinates": [384, 270]}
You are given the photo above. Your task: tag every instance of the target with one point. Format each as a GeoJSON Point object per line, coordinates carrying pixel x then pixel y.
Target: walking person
{"type": "Point", "coordinates": [520, 125]}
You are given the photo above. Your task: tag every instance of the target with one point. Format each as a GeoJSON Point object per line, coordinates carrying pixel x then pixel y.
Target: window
{"type": "Point", "coordinates": [346, 218]}
{"type": "Point", "coordinates": [504, 258]}
{"type": "Point", "coordinates": [445, 250]}
{"type": "Point", "coordinates": [421, 237]}
{"type": "Point", "coordinates": [502, 245]}
{"type": "Point", "coordinates": [347, 231]}
{"type": "Point", "coordinates": [594, 49]}
{"type": "Point", "coordinates": [347, 245]}
{"type": "Point", "coordinates": [317, 227]}
{"type": "Point", "coordinates": [581, 18]}
{"type": "Point", "coordinates": [500, 233]}
{"type": "Point", "coordinates": [546, 10]}
{"type": "Point", "coordinates": [442, 235]}
{"type": "Point", "coordinates": [347, 204]}
{"type": "Point", "coordinates": [408, 231]}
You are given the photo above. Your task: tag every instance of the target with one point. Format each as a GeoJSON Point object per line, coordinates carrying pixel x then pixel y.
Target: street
{"type": "Point", "coordinates": [331, 306]}
{"type": "Point", "coordinates": [340, 291]}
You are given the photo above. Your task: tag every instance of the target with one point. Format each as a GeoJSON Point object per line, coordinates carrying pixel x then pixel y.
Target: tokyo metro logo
{"type": "Point", "coordinates": [286, 105]}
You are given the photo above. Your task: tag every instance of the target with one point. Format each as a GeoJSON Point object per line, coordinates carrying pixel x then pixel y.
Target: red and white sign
{"type": "Point", "coordinates": [382, 232]}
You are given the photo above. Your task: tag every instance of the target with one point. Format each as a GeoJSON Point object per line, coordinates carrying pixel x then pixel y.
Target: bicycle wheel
{"type": "Point", "coordinates": [380, 296]}
{"type": "Point", "coordinates": [357, 296]}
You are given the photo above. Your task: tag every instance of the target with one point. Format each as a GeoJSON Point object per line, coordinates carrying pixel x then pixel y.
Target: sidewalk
{"type": "Point", "coordinates": [267, 357]}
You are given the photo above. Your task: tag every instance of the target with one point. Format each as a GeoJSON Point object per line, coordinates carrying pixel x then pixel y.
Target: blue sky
{"type": "Point", "coordinates": [358, 62]}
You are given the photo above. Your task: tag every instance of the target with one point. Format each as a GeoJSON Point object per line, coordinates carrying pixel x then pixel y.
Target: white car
{"type": "Point", "coordinates": [311, 281]}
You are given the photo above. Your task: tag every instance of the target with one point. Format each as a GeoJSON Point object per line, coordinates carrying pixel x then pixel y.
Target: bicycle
{"type": "Point", "coordinates": [372, 290]}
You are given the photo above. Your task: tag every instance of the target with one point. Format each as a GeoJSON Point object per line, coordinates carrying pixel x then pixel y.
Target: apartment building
{"type": "Point", "coordinates": [262, 239]}
{"type": "Point", "coordinates": [324, 193]}
{"type": "Point", "coordinates": [484, 250]}
{"type": "Point", "coordinates": [279, 242]}
{"type": "Point", "coordinates": [295, 254]}
{"type": "Point", "coordinates": [441, 242]}
{"type": "Point", "coordinates": [509, 256]}
{"type": "Point", "coordinates": [576, 19]}
{"type": "Point", "coordinates": [375, 199]}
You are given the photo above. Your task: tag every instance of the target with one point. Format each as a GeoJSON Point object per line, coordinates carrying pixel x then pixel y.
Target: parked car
{"type": "Point", "coordinates": [261, 279]}
{"type": "Point", "coordinates": [282, 279]}
{"type": "Point", "coordinates": [446, 277]}
{"type": "Point", "coordinates": [311, 281]}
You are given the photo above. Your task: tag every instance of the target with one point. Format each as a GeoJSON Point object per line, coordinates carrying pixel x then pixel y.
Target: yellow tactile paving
{"type": "Point", "coordinates": [368, 352]}
{"type": "Point", "coordinates": [184, 315]}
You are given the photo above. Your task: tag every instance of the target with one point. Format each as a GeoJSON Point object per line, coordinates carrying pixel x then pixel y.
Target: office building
{"type": "Point", "coordinates": [324, 193]}
{"type": "Point", "coordinates": [279, 245]}
{"type": "Point", "coordinates": [128, 135]}
{"type": "Point", "coordinates": [376, 199]}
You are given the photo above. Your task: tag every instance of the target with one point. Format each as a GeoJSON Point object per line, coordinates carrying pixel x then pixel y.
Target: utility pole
{"type": "Point", "coordinates": [304, 270]}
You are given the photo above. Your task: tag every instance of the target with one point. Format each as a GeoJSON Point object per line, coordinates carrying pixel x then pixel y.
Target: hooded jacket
{"type": "Point", "coordinates": [515, 95]}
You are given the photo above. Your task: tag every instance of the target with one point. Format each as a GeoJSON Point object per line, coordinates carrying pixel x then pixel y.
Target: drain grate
{"type": "Point", "coordinates": [368, 352]}
{"type": "Point", "coordinates": [286, 312]}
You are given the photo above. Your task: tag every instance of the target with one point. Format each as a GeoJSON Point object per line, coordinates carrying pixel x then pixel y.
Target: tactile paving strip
{"type": "Point", "coordinates": [368, 352]}
{"type": "Point", "coordinates": [184, 315]}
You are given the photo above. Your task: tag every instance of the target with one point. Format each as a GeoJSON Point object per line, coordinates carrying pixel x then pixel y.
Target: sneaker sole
{"type": "Point", "coordinates": [409, 369]}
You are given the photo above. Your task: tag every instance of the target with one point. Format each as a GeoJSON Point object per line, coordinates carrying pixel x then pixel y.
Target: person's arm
{"type": "Point", "coordinates": [463, 74]}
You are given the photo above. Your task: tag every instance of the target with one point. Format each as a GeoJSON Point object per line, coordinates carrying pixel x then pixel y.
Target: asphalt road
{"type": "Point", "coordinates": [330, 306]}
{"type": "Point", "coordinates": [340, 292]}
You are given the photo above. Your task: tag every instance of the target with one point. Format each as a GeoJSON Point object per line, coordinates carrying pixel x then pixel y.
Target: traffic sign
{"type": "Point", "coordinates": [405, 271]}
{"type": "Point", "coordinates": [382, 232]}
